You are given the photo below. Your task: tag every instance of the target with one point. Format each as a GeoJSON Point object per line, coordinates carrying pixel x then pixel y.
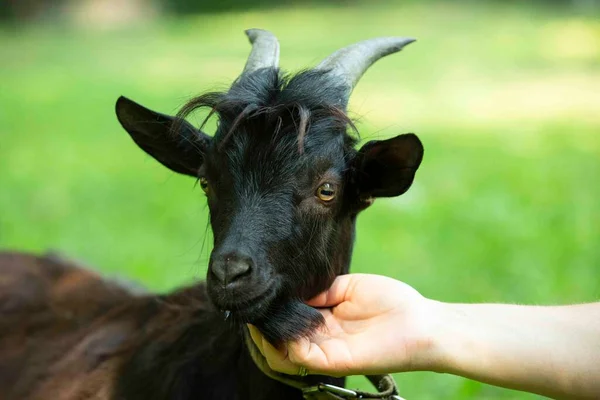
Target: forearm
{"type": "Point", "coordinates": [554, 351]}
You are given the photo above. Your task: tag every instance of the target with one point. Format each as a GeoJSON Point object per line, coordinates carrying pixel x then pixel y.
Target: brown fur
{"type": "Point", "coordinates": [65, 332]}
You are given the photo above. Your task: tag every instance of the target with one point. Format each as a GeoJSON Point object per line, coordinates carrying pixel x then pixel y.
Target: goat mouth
{"type": "Point", "coordinates": [248, 310]}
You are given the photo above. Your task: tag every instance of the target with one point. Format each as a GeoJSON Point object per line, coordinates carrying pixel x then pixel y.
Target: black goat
{"type": "Point", "coordinates": [284, 185]}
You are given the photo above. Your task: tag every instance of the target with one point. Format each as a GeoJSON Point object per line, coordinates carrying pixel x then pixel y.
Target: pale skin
{"type": "Point", "coordinates": [376, 324]}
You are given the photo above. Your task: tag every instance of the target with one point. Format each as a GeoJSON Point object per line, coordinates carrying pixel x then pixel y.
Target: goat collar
{"type": "Point", "coordinates": [385, 384]}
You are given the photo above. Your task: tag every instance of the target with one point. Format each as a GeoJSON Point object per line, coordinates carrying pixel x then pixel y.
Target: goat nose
{"type": "Point", "coordinates": [231, 268]}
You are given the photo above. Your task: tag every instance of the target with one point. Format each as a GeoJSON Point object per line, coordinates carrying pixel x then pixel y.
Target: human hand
{"type": "Point", "coordinates": [373, 324]}
{"type": "Point", "coordinates": [378, 325]}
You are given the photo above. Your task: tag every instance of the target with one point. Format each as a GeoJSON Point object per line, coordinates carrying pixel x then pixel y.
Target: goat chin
{"type": "Point", "coordinates": [289, 320]}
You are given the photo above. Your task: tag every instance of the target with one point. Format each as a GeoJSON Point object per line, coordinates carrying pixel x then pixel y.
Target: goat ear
{"type": "Point", "coordinates": [181, 150]}
{"type": "Point", "coordinates": [386, 168]}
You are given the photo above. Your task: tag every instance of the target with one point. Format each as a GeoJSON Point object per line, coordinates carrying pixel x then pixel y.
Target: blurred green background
{"type": "Point", "coordinates": [504, 95]}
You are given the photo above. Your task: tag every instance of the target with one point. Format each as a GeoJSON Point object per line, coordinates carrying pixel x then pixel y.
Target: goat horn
{"type": "Point", "coordinates": [265, 51]}
{"type": "Point", "coordinates": [351, 62]}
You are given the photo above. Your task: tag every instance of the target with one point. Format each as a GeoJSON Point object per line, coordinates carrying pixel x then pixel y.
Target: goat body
{"type": "Point", "coordinates": [67, 334]}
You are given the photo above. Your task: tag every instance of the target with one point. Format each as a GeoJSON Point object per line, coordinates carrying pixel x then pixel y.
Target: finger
{"type": "Point", "coordinates": [323, 356]}
{"type": "Point", "coordinates": [257, 337]}
{"type": "Point", "coordinates": [278, 359]}
{"type": "Point", "coordinates": [336, 294]}
{"type": "Point", "coordinates": [307, 354]}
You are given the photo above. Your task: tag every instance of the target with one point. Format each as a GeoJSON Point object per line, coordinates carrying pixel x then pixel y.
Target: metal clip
{"type": "Point", "coordinates": [327, 388]}
{"type": "Point", "coordinates": [340, 392]}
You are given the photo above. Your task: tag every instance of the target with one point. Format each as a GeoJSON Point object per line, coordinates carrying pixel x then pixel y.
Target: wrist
{"type": "Point", "coordinates": [463, 341]}
{"type": "Point", "coordinates": [440, 342]}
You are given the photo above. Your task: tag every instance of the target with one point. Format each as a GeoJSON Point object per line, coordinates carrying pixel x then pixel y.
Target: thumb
{"type": "Point", "coordinates": [336, 294]}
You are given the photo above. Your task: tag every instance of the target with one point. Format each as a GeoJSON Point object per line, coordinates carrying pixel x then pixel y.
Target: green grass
{"type": "Point", "coordinates": [506, 206]}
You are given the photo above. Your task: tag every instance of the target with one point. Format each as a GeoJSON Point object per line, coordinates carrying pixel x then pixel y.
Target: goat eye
{"type": "Point", "coordinates": [326, 192]}
{"type": "Point", "coordinates": [203, 184]}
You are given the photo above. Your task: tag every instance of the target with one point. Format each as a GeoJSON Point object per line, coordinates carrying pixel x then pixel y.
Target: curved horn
{"type": "Point", "coordinates": [265, 51]}
{"type": "Point", "coordinates": [351, 62]}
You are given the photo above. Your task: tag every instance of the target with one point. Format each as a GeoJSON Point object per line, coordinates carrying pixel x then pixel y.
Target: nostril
{"type": "Point", "coordinates": [237, 269]}
{"type": "Point", "coordinates": [230, 268]}
{"type": "Point", "coordinates": [218, 269]}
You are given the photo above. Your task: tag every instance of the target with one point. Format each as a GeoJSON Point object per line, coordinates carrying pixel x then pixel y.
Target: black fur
{"type": "Point", "coordinates": [186, 350]}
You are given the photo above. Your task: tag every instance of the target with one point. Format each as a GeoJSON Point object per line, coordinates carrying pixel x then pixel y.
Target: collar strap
{"type": "Point", "coordinates": [385, 384]}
